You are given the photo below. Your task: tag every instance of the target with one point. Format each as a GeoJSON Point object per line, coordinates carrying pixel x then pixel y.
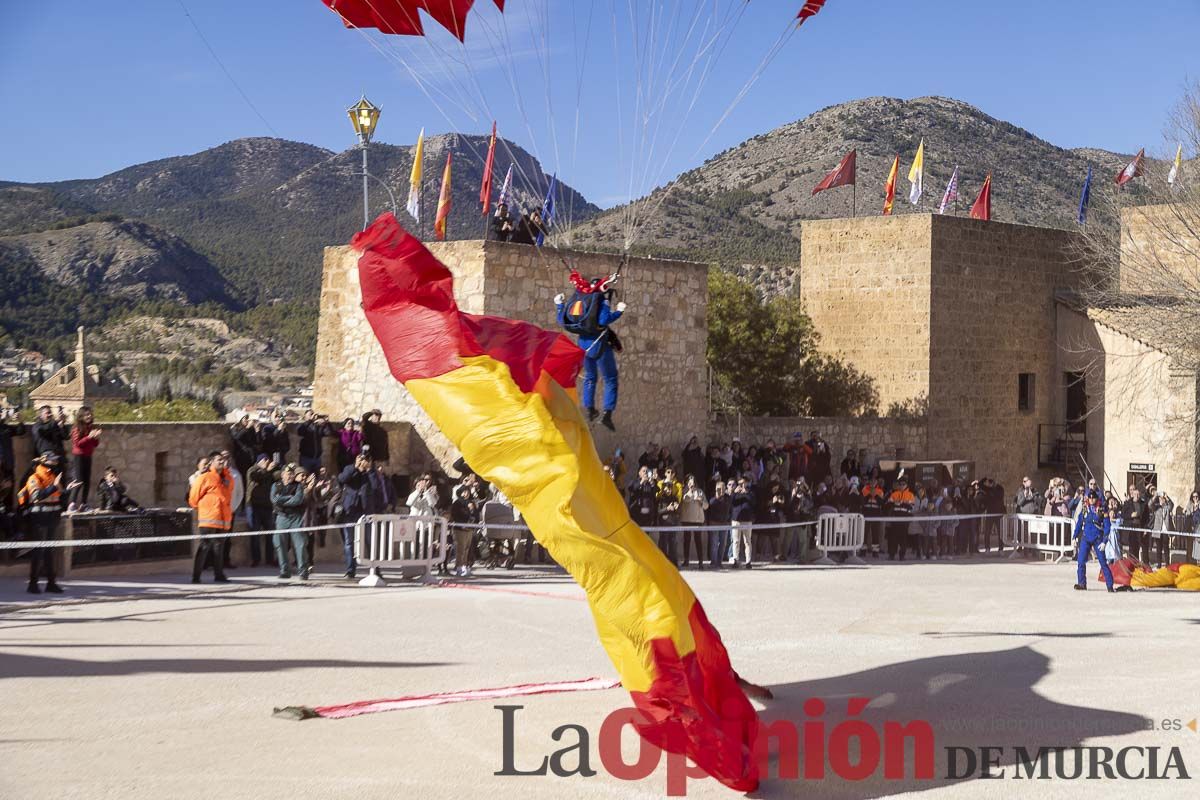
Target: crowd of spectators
{"type": "Point", "coordinates": [726, 504]}
{"type": "Point", "coordinates": [257, 478]}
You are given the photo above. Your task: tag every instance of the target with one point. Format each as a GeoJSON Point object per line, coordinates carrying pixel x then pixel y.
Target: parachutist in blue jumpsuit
{"type": "Point", "coordinates": [598, 357]}
{"type": "Point", "coordinates": [1090, 530]}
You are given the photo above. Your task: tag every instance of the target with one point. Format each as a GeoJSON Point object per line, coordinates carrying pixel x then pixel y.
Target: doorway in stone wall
{"type": "Point", "coordinates": [160, 476]}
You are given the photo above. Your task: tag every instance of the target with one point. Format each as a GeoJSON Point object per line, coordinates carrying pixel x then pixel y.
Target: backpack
{"type": "Point", "coordinates": [582, 314]}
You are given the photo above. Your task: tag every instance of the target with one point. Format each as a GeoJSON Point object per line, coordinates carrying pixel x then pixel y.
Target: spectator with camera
{"type": "Point", "coordinates": [247, 442]}
{"type": "Point", "coordinates": [691, 512]}
{"type": "Point", "coordinates": [374, 437]}
{"type": "Point", "coordinates": [51, 433]}
{"type": "Point", "coordinates": [288, 497]}
{"type": "Point", "coordinates": [260, 511]}
{"type": "Point", "coordinates": [357, 502]}
{"type": "Point", "coordinates": [669, 496]}
{"type": "Point", "coordinates": [643, 501]}
{"type": "Point", "coordinates": [311, 433]}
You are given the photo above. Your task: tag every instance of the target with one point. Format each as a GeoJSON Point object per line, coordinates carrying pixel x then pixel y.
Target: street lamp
{"type": "Point", "coordinates": [364, 117]}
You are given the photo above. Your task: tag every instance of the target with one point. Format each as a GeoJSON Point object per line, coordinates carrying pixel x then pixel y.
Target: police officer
{"type": "Point", "coordinates": [1089, 530]}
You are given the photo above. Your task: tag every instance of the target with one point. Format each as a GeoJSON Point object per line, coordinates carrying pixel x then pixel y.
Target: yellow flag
{"type": "Point", "coordinates": [414, 182]}
{"type": "Point", "coordinates": [1173, 175]}
{"type": "Point", "coordinates": [916, 174]}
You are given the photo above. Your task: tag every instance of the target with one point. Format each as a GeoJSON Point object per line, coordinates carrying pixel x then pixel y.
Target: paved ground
{"type": "Point", "coordinates": [158, 690]}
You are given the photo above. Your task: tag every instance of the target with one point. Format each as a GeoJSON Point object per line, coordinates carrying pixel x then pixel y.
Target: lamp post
{"type": "Point", "coordinates": [364, 117]}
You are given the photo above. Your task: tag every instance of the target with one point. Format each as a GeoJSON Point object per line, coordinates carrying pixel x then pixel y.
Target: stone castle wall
{"type": "Point", "coordinates": [865, 284]}
{"type": "Point", "coordinates": [993, 318]}
{"type": "Point", "coordinates": [1158, 248]}
{"type": "Point", "coordinates": [881, 438]}
{"type": "Point", "coordinates": [154, 459]}
{"type": "Point", "coordinates": [664, 331]}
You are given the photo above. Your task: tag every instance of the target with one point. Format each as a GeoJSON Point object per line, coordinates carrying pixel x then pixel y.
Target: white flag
{"type": "Point", "coordinates": [1173, 175]}
{"type": "Point", "coordinates": [916, 174]}
{"type": "Point", "coordinates": [951, 192]}
{"type": "Point", "coordinates": [414, 180]}
{"type": "Point", "coordinates": [505, 190]}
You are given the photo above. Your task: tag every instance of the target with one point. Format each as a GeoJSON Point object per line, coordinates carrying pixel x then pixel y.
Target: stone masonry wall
{"type": "Point", "coordinates": [881, 438]}
{"type": "Point", "coordinates": [662, 369]}
{"type": "Point", "coordinates": [1158, 243]}
{"type": "Point", "coordinates": [155, 459]}
{"type": "Point", "coordinates": [992, 318]}
{"type": "Point", "coordinates": [865, 284]}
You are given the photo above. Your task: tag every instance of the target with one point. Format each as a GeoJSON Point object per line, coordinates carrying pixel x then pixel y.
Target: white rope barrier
{"type": "Point", "coordinates": [24, 545]}
{"type": "Point", "coordinates": [756, 526]}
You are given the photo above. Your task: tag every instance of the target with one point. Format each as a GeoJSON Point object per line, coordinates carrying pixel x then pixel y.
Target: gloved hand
{"type": "Point", "coordinates": [621, 306]}
{"type": "Point", "coordinates": [559, 299]}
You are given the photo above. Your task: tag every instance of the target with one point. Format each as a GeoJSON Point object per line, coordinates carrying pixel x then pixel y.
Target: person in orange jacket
{"type": "Point", "coordinates": [900, 504]}
{"type": "Point", "coordinates": [41, 500]}
{"type": "Point", "coordinates": [212, 497]}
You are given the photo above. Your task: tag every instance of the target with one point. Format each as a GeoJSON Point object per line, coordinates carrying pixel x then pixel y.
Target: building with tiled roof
{"type": "Point", "coordinates": [77, 384]}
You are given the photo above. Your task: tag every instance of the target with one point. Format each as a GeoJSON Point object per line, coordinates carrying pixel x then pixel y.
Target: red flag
{"type": "Point", "coordinates": [485, 189]}
{"type": "Point", "coordinates": [1132, 169]}
{"type": "Point", "coordinates": [810, 9]}
{"type": "Point", "coordinates": [443, 207]}
{"type": "Point", "coordinates": [982, 209]}
{"type": "Point", "coordinates": [889, 191]}
{"type": "Point", "coordinates": [842, 175]}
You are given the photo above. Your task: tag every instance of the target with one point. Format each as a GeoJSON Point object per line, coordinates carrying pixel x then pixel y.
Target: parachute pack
{"type": "Point", "coordinates": [582, 315]}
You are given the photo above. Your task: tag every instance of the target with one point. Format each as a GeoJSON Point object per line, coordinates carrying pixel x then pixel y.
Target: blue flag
{"type": "Point", "coordinates": [1087, 195]}
{"type": "Point", "coordinates": [547, 211]}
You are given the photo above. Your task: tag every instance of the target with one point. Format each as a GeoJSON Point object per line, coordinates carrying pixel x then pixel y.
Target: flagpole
{"type": "Point", "coordinates": [854, 198]}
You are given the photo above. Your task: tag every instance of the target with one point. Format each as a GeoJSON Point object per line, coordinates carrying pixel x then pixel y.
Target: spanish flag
{"type": "Point", "coordinates": [443, 207]}
{"type": "Point", "coordinates": [504, 392]}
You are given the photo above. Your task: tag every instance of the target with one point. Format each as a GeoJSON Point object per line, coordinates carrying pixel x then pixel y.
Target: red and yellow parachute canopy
{"type": "Point", "coordinates": [401, 17]}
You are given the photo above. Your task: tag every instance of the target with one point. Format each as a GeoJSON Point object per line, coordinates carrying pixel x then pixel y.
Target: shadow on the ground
{"type": "Point", "coordinates": [1022, 634]}
{"type": "Point", "coordinates": [24, 619]}
{"type": "Point", "coordinates": [970, 700]}
{"type": "Point", "coordinates": [17, 665]}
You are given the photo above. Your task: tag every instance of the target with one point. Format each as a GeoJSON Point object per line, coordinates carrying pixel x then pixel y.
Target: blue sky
{"type": "Point", "coordinates": [89, 87]}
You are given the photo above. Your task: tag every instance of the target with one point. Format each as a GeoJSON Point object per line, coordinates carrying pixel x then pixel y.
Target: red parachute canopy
{"type": "Point", "coordinates": [400, 16]}
{"type": "Point", "coordinates": [810, 10]}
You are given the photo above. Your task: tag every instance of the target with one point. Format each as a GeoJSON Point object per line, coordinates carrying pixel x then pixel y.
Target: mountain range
{"type": "Point", "coordinates": [242, 225]}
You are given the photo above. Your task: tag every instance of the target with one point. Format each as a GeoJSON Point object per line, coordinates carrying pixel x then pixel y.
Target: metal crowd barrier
{"type": "Point", "coordinates": [401, 542]}
{"type": "Point", "coordinates": [840, 533]}
{"type": "Point", "coordinates": [1036, 532]}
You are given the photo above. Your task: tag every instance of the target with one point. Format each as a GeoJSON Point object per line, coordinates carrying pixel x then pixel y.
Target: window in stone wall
{"type": "Point", "coordinates": [1025, 397]}
{"type": "Point", "coordinates": [160, 476]}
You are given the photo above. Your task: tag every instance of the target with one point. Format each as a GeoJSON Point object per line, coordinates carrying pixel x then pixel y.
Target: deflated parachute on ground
{"type": "Point", "coordinates": [503, 392]}
{"type": "Point", "coordinates": [1173, 576]}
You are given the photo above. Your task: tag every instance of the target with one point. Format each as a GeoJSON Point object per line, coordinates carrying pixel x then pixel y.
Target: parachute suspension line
{"type": "Point", "coordinates": [428, 88]}
{"type": "Point", "coordinates": [753, 79]}
{"type": "Point", "coordinates": [657, 111]}
{"type": "Point", "coordinates": [225, 69]}
{"type": "Point", "coordinates": [580, 68]}
{"type": "Point", "coordinates": [714, 36]}
{"type": "Point", "coordinates": [758, 72]}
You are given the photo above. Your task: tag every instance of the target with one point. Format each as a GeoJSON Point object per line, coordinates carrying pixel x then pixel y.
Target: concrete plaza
{"type": "Point", "coordinates": [158, 689]}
